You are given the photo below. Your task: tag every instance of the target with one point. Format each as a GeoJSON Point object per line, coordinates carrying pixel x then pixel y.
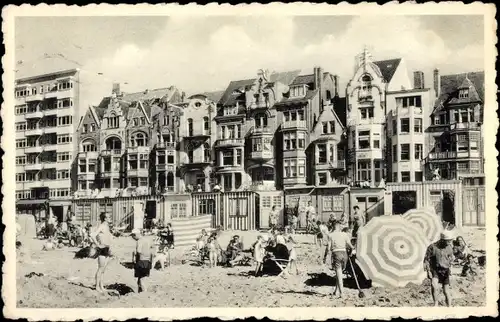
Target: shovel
{"type": "Point", "coordinates": [361, 294]}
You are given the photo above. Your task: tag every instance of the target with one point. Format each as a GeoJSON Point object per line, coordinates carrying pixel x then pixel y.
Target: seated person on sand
{"type": "Point", "coordinates": [460, 249]}
{"type": "Point", "coordinates": [274, 251]}
{"type": "Point", "coordinates": [234, 251]}
{"type": "Point", "coordinates": [204, 236]}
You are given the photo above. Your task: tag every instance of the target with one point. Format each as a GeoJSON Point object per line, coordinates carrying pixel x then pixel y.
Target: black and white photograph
{"type": "Point", "coordinates": [282, 156]}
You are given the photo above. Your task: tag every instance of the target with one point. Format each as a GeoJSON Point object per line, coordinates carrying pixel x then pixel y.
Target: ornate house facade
{"type": "Point", "coordinates": [386, 117]}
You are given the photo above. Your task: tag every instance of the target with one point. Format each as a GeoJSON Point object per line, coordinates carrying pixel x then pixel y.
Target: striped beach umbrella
{"type": "Point", "coordinates": [390, 251]}
{"type": "Point", "coordinates": [427, 221]}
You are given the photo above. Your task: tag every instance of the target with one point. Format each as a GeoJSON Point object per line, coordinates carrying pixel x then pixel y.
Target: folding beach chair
{"type": "Point", "coordinates": [283, 265]}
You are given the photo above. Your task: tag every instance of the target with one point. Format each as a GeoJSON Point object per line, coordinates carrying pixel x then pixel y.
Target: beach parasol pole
{"type": "Point", "coordinates": [361, 294]}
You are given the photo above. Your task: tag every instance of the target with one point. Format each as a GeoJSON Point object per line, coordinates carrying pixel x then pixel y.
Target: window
{"type": "Point", "coordinates": [89, 146]}
{"type": "Point", "coordinates": [364, 170]}
{"type": "Point", "coordinates": [405, 125]}
{"type": "Point", "coordinates": [143, 161]}
{"type": "Point", "coordinates": [405, 176]}
{"type": "Point", "coordinates": [322, 178]}
{"type": "Point", "coordinates": [417, 126]}
{"type": "Point", "coordinates": [136, 121]}
{"type": "Point", "coordinates": [190, 127]}
{"type": "Point", "coordinates": [20, 126]}
{"type": "Point", "coordinates": [464, 93]}
{"type": "Point", "coordinates": [260, 120]}
{"type": "Point", "coordinates": [65, 103]}
{"type": "Point", "coordinates": [367, 112]}
{"type": "Point", "coordinates": [302, 140]}
{"type": "Point", "coordinates": [63, 174]}
{"type": "Point", "coordinates": [376, 144]}
{"type": "Point", "coordinates": [64, 120]}
{"type": "Point", "coordinates": [63, 156]}
{"type": "Point", "coordinates": [394, 153]}
{"type": "Point", "coordinates": [20, 160]}
{"type": "Point", "coordinates": [113, 121]}
{"type": "Point", "coordinates": [230, 110]}
{"type": "Point", "coordinates": [419, 151]}
{"type": "Point", "coordinates": [302, 167]}
{"type": "Point", "coordinates": [404, 102]}
{"type": "Point", "coordinates": [238, 157]}
{"type": "Point", "coordinates": [405, 152]}
{"type": "Point", "coordinates": [227, 158]}
{"type": "Point", "coordinates": [322, 159]}
{"type": "Point", "coordinates": [297, 91]}
{"type": "Point", "coordinates": [206, 124]}
{"type": "Point", "coordinates": [20, 177]}
{"type": "Point", "coordinates": [206, 152]}
{"type": "Point", "coordinates": [293, 166]}
{"type": "Point", "coordinates": [143, 121]}
{"type": "Point", "coordinates": [325, 127]}
{"type": "Point", "coordinates": [92, 127]}
{"type": "Point", "coordinates": [64, 139]}
{"type": "Point", "coordinates": [138, 139]}
{"type": "Point", "coordinates": [364, 142]}
{"type": "Point", "coordinates": [462, 166]}
{"type": "Point", "coordinates": [394, 127]}
{"type": "Point", "coordinates": [419, 176]}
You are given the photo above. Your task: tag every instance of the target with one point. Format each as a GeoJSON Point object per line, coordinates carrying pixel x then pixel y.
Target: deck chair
{"type": "Point", "coordinates": [282, 264]}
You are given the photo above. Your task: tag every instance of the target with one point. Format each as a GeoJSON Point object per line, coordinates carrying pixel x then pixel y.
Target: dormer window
{"type": "Point", "coordinates": [463, 93]}
{"type": "Point", "coordinates": [298, 91]}
{"type": "Point", "coordinates": [230, 110]}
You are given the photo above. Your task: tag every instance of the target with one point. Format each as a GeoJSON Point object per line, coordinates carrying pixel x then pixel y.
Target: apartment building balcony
{"type": "Point", "coordinates": [165, 167]}
{"type": "Point", "coordinates": [263, 185]}
{"type": "Point", "coordinates": [262, 155]}
{"type": "Point", "coordinates": [111, 173]}
{"type": "Point", "coordinates": [34, 132]}
{"type": "Point", "coordinates": [227, 168]}
{"type": "Point", "coordinates": [294, 181]}
{"type": "Point", "coordinates": [294, 125]}
{"type": "Point", "coordinates": [464, 126]}
{"type": "Point", "coordinates": [262, 131]}
{"type": "Point", "coordinates": [34, 114]}
{"type": "Point", "coordinates": [49, 147]}
{"type": "Point", "coordinates": [165, 146]}
{"type": "Point", "coordinates": [142, 173]}
{"type": "Point", "coordinates": [138, 149]}
{"type": "Point", "coordinates": [34, 98]}
{"type": "Point", "coordinates": [331, 165]}
{"type": "Point", "coordinates": [369, 154]}
{"type": "Point", "coordinates": [225, 143]}
{"type": "Point", "coordinates": [51, 94]}
{"type": "Point", "coordinates": [195, 163]}
{"type": "Point", "coordinates": [67, 93]}
{"type": "Point", "coordinates": [50, 112]}
{"type": "Point", "coordinates": [113, 152]}
{"type": "Point", "coordinates": [442, 155]}
{"type": "Point", "coordinates": [53, 165]}
{"type": "Point", "coordinates": [50, 129]}
{"type": "Point", "coordinates": [88, 155]}
{"type": "Point", "coordinates": [33, 149]}
{"type": "Point", "coordinates": [33, 167]}
{"type": "Point", "coordinates": [88, 176]}
{"type": "Point", "coordinates": [192, 135]}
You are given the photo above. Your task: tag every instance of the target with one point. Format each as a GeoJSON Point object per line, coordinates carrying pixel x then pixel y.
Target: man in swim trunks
{"type": "Point", "coordinates": [102, 239]}
{"type": "Point", "coordinates": [142, 259]}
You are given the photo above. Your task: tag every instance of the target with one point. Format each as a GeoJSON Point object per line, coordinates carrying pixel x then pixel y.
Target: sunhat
{"type": "Point", "coordinates": [136, 231]}
{"type": "Point", "coordinates": [447, 235]}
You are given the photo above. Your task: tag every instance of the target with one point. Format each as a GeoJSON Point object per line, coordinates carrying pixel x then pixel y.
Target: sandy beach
{"type": "Point", "coordinates": [54, 279]}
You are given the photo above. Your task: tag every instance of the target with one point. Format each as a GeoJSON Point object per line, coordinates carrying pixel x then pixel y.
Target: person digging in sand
{"type": "Point", "coordinates": [142, 259]}
{"type": "Point", "coordinates": [437, 264]}
{"type": "Point", "coordinates": [102, 239]}
{"type": "Point", "coordinates": [338, 243]}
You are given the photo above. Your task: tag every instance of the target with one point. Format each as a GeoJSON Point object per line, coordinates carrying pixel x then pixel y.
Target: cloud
{"type": "Point", "coordinates": [199, 54]}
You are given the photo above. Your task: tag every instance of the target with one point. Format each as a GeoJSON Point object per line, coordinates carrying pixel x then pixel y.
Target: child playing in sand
{"type": "Point", "coordinates": [212, 252]}
{"type": "Point", "coordinates": [49, 244]}
{"type": "Point", "coordinates": [292, 258]}
{"type": "Point", "coordinates": [259, 253]}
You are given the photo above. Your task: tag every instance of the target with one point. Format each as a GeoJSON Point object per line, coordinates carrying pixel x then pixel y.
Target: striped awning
{"type": "Point", "coordinates": [186, 230]}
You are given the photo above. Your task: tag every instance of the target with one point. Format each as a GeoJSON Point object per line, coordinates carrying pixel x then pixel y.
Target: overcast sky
{"type": "Point", "coordinates": [205, 53]}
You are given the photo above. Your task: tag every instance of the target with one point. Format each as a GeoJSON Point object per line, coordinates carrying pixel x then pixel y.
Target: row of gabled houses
{"type": "Point", "coordinates": [272, 131]}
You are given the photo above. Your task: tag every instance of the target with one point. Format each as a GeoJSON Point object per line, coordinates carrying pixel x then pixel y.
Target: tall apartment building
{"type": "Point", "coordinates": [386, 118]}
{"type": "Point", "coordinates": [456, 149]}
{"type": "Point", "coordinates": [46, 115]}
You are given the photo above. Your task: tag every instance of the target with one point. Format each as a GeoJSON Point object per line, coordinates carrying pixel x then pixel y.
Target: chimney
{"type": "Point", "coordinates": [116, 89]}
{"type": "Point", "coordinates": [183, 96]}
{"type": "Point", "coordinates": [418, 80]}
{"type": "Point", "coordinates": [437, 82]}
{"type": "Point", "coordinates": [336, 84]}
{"type": "Point", "coordinates": [318, 84]}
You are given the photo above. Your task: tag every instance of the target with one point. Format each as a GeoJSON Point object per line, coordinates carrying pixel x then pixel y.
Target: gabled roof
{"type": "Point", "coordinates": [228, 98]}
{"type": "Point", "coordinates": [388, 67]}
{"type": "Point", "coordinates": [212, 96]}
{"type": "Point", "coordinates": [306, 79]}
{"type": "Point", "coordinates": [294, 100]}
{"type": "Point", "coordinates": [450, 85]}
{"type": "Point", "coordinates": [149, 94]}
{"type": "Point", "coordinates": [103, 106]}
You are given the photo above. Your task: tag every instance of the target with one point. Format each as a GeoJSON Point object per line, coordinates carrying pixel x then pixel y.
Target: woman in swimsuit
{"type": "Point", "coordinates": [102, 239]}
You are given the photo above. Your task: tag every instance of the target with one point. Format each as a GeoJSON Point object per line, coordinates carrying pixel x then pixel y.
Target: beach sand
{"type": "Point", "coordinates": [68, 283]}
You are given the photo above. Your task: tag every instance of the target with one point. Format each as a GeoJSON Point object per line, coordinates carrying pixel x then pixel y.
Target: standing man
{"type": "Point", "coordinates": [437, 263]}
{"type": "Point", "coordinates": [338, 243]}
{"type": "Point", "coordinates": [358, 221]}
{"type": "Point", "coordinates": [310, 217]}
{"type": "Point", "coordinates": [142, 259]}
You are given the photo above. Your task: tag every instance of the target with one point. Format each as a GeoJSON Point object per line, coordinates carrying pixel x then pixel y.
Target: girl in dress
{"type": "Point", "coordinates": [292, 259]}
{"type": "Point", "coordinates": [258, 253]}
